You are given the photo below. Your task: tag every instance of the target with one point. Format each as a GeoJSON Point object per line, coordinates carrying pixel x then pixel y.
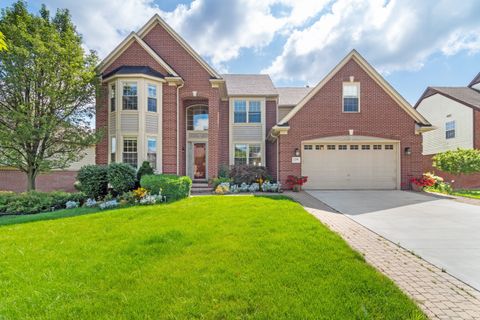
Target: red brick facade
{"type": "Point", "coordinates": [322, 116]}
{"type": "Point", "coordinates": [379, 116]}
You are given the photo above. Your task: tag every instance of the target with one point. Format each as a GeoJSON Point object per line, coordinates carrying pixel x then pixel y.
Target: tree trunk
{"type": "Point", "coordinates": [31, 177]}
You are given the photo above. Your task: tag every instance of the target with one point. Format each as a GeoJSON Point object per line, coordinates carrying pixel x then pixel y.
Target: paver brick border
{"type": "Point", "coordinates": [439, 294]}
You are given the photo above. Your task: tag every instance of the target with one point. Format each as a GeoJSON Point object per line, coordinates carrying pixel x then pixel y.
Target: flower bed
{"type": "Point", "coordinates": [264, 186]}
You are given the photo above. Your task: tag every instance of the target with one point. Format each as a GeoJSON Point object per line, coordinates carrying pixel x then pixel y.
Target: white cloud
{"type": "Point", "coordinates": [393, 35]}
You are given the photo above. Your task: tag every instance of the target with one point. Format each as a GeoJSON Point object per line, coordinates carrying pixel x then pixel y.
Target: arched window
{"type": "Point", "coordinates": [197, 118]}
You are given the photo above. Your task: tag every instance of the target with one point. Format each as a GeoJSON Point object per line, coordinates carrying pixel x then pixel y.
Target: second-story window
{"type": "Point", "coordinates": [240, 111]}
{"type": "Point", "coordinates": [254, 112]}
{"type": "Point", "coordinates": [112, 98]}
{"type": "Point", "coordinates": [130, 98]}
{"type": "Point", "coordinates": [152, 98]}
{"type": "Point", "coordinates": [350, 97]}
{"type": "Point", "coordinates": [450, 129]}
{"type": "Point", "coordinates": [247, 111]}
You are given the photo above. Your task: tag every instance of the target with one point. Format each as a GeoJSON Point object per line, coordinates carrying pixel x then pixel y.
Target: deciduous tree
{"type": "Point", "coordinates": [47, 90]}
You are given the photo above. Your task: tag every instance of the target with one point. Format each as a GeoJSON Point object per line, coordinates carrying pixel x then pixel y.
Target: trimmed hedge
{"type": "Point", "coordinates": [172, 186]}
{"type": "Point", "coordinates": [248, 174]}
{"type": "Point", "coordinates": [93, 180]}
{"type": "Point", "coordinates": [121, 177]}
{"type": "Point", "coordinates": [34, 202]}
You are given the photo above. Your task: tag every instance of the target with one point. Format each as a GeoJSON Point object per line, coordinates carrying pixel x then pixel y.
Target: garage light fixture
{"type": "Point", "coordinates": [408, 151]}
{"type": "Point", "coordinates": [297, 152]}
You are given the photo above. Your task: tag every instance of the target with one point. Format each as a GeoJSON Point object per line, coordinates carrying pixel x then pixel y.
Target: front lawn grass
{"type": "Point", "coordinates": [58, 214]}
{"type": "Point", "coordinates": [206, 257]}
{"type": "Point", "coordinates": [474, 194]}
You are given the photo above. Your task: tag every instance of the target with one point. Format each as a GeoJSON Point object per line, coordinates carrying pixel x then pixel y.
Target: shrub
{"type": "Point", "coordinates": [35, 202]}
{"type": "Point", "coordinates": [460, 161]}
{"type": "Point", "coordinates": [248, 174]}
{"type": "Point", "coordinates": [223, 171]}
{"type": "Point", "coordinates": [172, 186]}
{"type": "Point", "coordinates": [222, 188]}
{"type": "Point", "coordinates": [217, 181]}
{"type": "Point", "coordinates": [93, 180]}
{"type": "Point", "coordinates": [121, 177]}
{"type": "Point", "coordinates": [268, 186]}
{"type": "Point", "coordinates": [145, 169]}
{"type": "Point", "coordinates": [71, 204]}
{"type": "Point", "coordinates": [109, 204]}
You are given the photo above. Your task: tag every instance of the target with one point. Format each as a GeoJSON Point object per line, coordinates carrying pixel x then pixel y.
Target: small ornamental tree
{"type": "Point", "coordinates": [460, 161]}
{"type": "Point", "coordinates": [47, 91]}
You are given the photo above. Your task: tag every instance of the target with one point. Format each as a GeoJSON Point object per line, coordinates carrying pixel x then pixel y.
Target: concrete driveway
{"type": "Point", "coordinates": [442, 231]}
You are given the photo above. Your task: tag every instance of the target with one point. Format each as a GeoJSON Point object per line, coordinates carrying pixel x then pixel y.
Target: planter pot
{"type": "Point", "coordinates": [297, 188]}
{"type": "Point", "coordinates": [416, 187]}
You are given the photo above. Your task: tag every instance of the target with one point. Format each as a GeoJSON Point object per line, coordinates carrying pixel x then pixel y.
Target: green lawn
{"type": "Point", "coordinates": [475, 194]}
{"type": "Point", "coordinates": [16, 219]}
{"type": "Point", "coordinates": [211, 257]}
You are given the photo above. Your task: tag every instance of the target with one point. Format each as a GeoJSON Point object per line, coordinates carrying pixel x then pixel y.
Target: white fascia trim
{"type": "Point", "coordinates": [156, 18]}
{"type": "Point", "coordinates": [373, 74]}
{"type": "Point", "coordinates": [125, 44]}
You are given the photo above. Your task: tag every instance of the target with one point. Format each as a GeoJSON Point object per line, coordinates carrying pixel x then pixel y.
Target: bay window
{"type": "Point", "coordinates": [130, 154]}
{"type": "Point", "coordinates": [152, 152]}
{"type": "Point", "coordinates": [130, 97]}
{"type": "Point", "coordinates": [112, 97]}
{"type": "Point", "coordinates": [152, 98]}
{"type": "Point", "coordinates": [113, 149]}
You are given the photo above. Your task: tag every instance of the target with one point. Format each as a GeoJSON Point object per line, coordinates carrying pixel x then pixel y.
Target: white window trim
{"type": "Point", "coordinates": [357, 84]}
{"type": "Point", "coordinates": [139, 95]}
{"type": "Point", "coordinates": [261, 140]}
{"type": "Point", "coordinates": [262, 154]}
{"type": "Point", "coordinates": [454, 129]}
{"type": "Point", "coordinates": [131, 137]}
{"type": "Point", "coordinates": [147, 96]}
{"type": "Point", "coordinates": [247, 101]}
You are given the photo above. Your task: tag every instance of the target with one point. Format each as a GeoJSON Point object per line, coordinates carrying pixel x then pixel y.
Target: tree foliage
{"type": "Point", "coordinates": [3, 45]}
{"type": "Point", "coordinates": [460, 161]}
{"type": "Point", "coordinates": [47, 90]}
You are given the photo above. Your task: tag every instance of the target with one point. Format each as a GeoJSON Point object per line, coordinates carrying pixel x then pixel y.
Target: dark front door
{"type": "Point", "coordinates": [199, 161]}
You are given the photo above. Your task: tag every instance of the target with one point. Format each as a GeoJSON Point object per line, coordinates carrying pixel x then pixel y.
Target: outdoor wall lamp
{"type": "Point", "coordinates": [408, 151]}
{"type": "Point", "coordinates": [297, 152]}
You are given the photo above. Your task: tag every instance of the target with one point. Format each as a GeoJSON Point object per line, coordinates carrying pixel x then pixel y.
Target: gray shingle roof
{"type": "Point", "coordinates": [249, 84]}
{"type": "Point", "coordinates": [475, 80]}
{"type": "Point", "coordinates": [291, 96]}
{"type": "Point", "coordinates": [466, 95]}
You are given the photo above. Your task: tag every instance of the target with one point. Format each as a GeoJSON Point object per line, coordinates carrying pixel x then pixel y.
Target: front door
{"type": "Point", "coordinates": [199, 160]}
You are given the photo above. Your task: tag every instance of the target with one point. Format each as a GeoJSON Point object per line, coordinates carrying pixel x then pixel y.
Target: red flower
{"type": "Point", "coordinates": [296, 181]}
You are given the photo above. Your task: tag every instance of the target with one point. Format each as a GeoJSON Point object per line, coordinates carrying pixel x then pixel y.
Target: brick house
{"type": "Point", "coordinates": [161, 102]}
{"type": "Point", "coordinates": [455, 111]}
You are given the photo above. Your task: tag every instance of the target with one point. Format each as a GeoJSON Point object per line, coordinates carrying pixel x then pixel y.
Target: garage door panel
{"type": "Point", "coordinates": [351, 169]}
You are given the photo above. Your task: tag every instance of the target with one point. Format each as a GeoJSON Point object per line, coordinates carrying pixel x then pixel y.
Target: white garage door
{"type": "Point", "coordinates": [350, 165]}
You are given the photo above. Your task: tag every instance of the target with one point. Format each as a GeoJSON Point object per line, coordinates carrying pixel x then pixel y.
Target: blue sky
{"type": "Point", "coordinates": [413, 43]}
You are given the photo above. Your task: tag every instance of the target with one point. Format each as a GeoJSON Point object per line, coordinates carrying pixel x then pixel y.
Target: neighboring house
{"type": "Point", "coordinates": [455, 111]}
{"type": "Point", "coordinates": [161, 102]}
{"type": "Point", "coordinates": [62, 179]}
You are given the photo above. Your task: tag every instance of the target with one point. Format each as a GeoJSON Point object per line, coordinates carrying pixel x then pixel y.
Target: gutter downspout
{"type": "Point", "coordinates": [178, 123]}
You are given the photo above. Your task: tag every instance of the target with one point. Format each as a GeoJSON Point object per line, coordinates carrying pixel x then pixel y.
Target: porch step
{"type": "Point", "coordinates": [201, 188]}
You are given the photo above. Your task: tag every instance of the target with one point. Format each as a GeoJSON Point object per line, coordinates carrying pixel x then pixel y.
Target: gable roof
{"type": "Point", "coordinates": [467, 96]}
{"type": "Point", "coordinates": [475, 80]}
{"type": "Point", "coordinates": [354, 55]}
{"type": "Point", "coordinates": [291, 96]}
{"type": "Point", "coordinates": [249, 85]}
{"type": "Point", "coordinates": [132, 37]}
{"type": "Point", "coordinates": [156, 19]}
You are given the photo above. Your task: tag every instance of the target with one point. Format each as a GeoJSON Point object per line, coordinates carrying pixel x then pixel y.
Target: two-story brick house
{"type": "Point", "coordinates": [161, 102]}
